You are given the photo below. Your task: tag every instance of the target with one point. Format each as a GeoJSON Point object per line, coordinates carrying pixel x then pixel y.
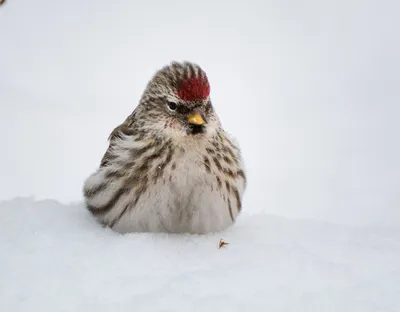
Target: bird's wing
{"type": "Point", "coordinates": [126, 128]}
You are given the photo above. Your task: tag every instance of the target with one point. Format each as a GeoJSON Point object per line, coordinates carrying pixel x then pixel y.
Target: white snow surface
{"type": "Point", "coordinates": [55, 257]}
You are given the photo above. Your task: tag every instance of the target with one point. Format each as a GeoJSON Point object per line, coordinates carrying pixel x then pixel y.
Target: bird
{"type": "Point", "coordinates": [170, 166]}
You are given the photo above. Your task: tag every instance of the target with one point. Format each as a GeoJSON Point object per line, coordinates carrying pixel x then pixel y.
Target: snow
{"type": "Point", "coordinates": [55, 257]}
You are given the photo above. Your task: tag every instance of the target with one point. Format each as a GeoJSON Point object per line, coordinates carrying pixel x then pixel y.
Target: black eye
{"type": "Point", "coordinates": [172, 106]}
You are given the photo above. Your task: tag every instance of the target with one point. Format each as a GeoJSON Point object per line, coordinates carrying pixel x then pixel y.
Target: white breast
{"type": "Point", "coordinates": [189, 194]}
{"type": "Point", "coordinates": [186, 199]}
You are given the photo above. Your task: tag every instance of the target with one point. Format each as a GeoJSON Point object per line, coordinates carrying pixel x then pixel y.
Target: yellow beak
{"type": "Point", "coordinates": [196, 119]}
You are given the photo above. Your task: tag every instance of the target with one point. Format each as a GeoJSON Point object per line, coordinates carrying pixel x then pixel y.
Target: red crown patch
{"type": "Point", "coordinates": [192, 89]}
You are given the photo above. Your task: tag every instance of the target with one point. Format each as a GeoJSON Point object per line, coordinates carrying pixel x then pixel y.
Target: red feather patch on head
{"type": "Point", "coordinates": [192, 89]}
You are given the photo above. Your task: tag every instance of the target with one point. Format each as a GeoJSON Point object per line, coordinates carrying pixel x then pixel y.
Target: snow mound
{"type": "Point", "coordinates": [55, 257]}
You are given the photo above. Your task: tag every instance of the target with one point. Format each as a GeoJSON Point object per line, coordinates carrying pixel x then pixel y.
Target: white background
{"type": "Point", "coordinates": [309, 88]}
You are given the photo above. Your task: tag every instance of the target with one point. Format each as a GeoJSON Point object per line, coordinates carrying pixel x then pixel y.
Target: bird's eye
{"type": "Point", "coordinates": [172, 106]}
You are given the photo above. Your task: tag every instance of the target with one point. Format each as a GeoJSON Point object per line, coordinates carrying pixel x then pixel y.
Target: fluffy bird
{"type": "Point", "coordinates": [170, 166]}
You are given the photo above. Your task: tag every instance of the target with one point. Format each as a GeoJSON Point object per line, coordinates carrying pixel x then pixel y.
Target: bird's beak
{"type": "Point", "coordinates": [196, 119]}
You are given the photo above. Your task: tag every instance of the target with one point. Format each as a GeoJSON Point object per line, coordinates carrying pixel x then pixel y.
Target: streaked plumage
{"type": "Point", "coordinates": [170, 166]}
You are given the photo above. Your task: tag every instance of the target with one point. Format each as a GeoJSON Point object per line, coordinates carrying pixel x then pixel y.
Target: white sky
{"type": "Point", "coordinates": [309, 88]}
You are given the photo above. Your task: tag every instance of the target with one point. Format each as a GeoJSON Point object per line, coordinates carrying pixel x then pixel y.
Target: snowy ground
{"type": "Point", "coordinates": [54, 257]}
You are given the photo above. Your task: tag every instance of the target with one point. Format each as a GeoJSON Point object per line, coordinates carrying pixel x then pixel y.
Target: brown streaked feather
{"type": "Point", "coordinates": [238, 201]}
{"type": "Point", "coordinates": [230, 210]}
{"type": "Point", "coordinates": [131, 205]}
{"type": "Point", "coordinates": [149, 149]}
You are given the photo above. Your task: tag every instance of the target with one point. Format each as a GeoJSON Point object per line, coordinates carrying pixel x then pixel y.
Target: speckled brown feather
{"type": "Point", "coordinates": [156, 176]}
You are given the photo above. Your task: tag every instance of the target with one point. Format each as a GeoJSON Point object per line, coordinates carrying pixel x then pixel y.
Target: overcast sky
{"type": "Point", "coordinates": [310, 89]}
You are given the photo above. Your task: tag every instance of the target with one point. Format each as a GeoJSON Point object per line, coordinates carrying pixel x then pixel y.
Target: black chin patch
{"type": "Point", "coordinates": [196, 129]}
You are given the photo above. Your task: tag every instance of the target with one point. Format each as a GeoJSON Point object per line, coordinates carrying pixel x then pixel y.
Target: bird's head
{"type": "Point", "coordinates": [177, 102]}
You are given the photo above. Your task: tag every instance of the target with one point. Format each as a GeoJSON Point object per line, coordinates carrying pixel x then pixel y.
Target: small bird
{"type": "Point", "coordinates": [170, 166]}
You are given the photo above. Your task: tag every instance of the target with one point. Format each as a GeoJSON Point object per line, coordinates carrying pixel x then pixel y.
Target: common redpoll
{"type": "Point", "coordinates": [170, 166]}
